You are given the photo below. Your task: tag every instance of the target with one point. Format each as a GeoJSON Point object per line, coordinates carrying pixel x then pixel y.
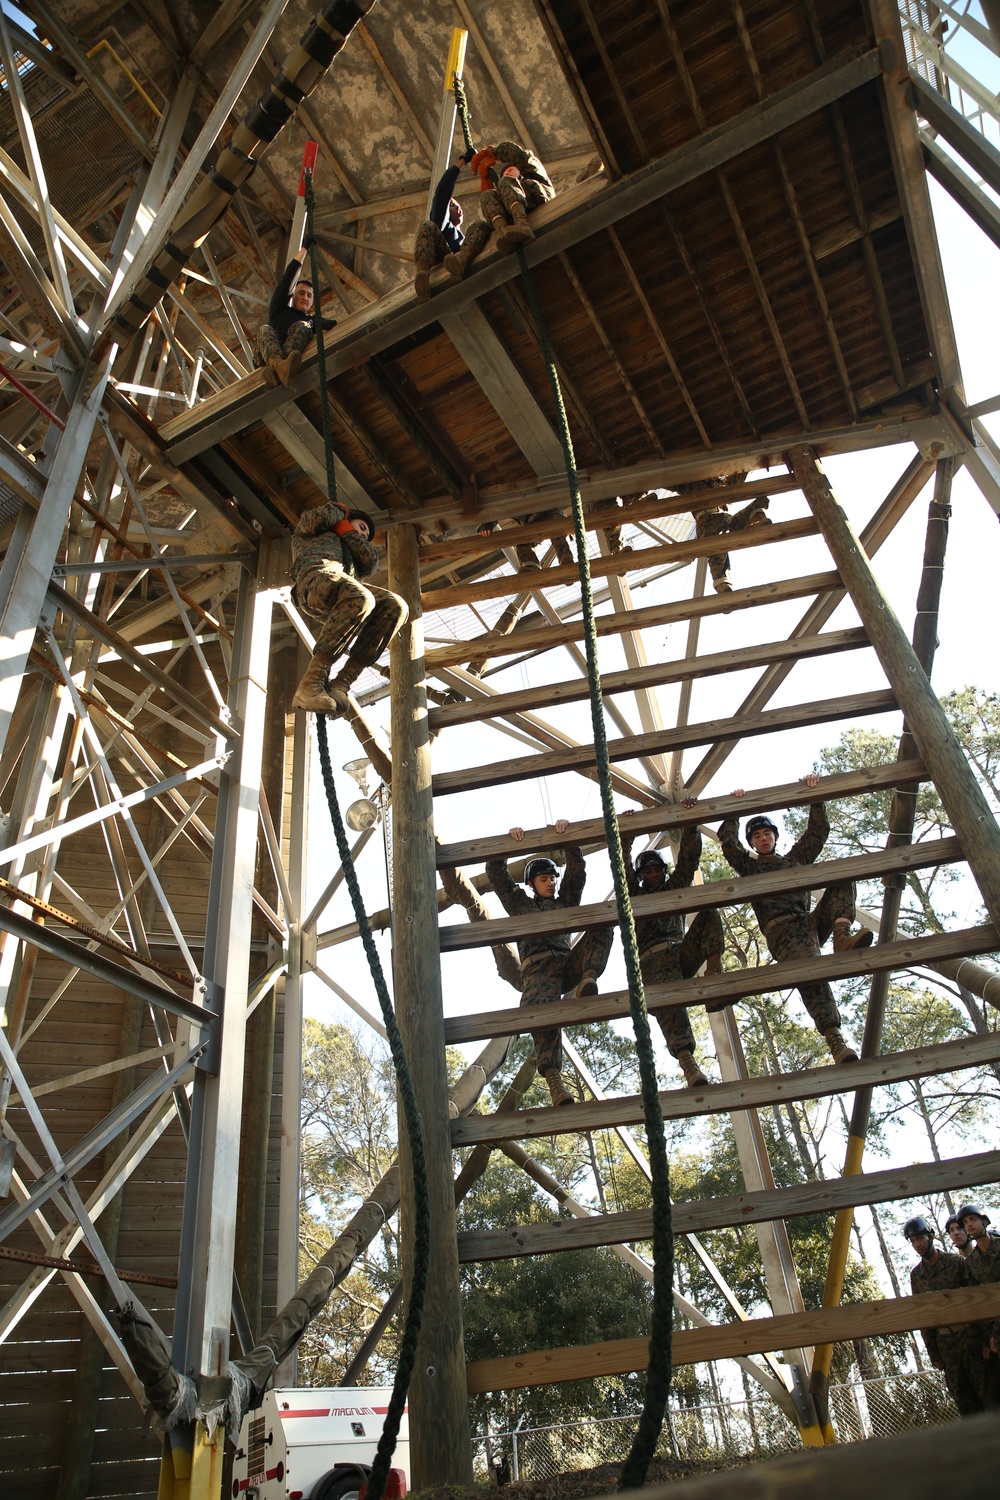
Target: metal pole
{"type": "Point", "coordinates": [446, 124]}
{"type": "Point", "coordinates": [440, 1437]}
{"type": "Point", "coordinates": [205, 1272]}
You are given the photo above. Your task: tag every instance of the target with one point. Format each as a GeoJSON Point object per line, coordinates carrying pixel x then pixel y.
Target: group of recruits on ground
{"type": "Point", "coordinates": [967, 1353]}
{"type": "Point", "coordinates": [332, 547]}
{"type": "Point", "coordinates": [551, 966]}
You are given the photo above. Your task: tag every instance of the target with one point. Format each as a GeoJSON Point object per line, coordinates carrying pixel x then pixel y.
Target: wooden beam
{"type": "Point", "coordinates": [620, 563]}
{"type": "Point", "coordinates": [965, 803]}
{"type": "Point", "coordinates": [627, 747]}
{"type": "Point", "coordinates": [734, 891]}
{"type": "Point", "coordinates": [569, 220]}
{"type": "Point", "coordinates": [859, 1320]}
{"type": "Point", "coordinates": [915, 1181]}
{"type": "Point", "coordinates": [605, 486]}
{"type": "Point", "coordinates": [724, 1098]}
{"type": "Point", "coordinates": [686, 669]}
{"type": "Point", "coordinates": [589, 833]}
{"type": "Point", "coordinates": [547, 637]}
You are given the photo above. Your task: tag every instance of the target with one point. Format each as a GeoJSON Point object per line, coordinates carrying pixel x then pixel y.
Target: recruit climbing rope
{"type": "Point", "coordinates": [411, 1114]}
{"type": "Point", "coordinates": [421, 1207]}
{"type": "Point", "coordinates": [661, 1323]}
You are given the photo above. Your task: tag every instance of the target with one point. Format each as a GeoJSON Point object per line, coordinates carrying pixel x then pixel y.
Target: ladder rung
{"type": "Point", "coordinates": [628, 747]}
{"type": "Point", "coordinates": [734, 891]}
{"type": "Point", "coordinates": [721, 1098]}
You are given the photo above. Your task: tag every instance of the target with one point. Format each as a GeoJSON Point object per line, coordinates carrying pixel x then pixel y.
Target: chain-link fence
{"type": "Point", "coordinates": [720, 1431]}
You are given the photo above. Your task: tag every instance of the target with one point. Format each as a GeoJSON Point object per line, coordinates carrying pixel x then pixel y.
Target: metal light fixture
{"type": "Point", "coordinates": [359, 770]}
{"type": "Point", "coordinates": [362, 815]}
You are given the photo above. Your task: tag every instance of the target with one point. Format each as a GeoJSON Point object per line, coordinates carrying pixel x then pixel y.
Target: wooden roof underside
{"type": "Point", "coordinates": [773, 292]}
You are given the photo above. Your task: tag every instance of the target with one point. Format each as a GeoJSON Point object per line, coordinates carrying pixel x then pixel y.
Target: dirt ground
{"type": "Point", "coordinates": [575, 1486]}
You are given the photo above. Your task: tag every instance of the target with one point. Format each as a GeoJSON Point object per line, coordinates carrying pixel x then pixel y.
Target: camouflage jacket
{"type": "Point", "coordinates": [803, 852]}
{"type": "Point", "coordinates": [718, 522]}
{"type": "Point", "coordinates": [667, 927]}
{"type": "Point", "coordinates": [947, 1272]}
{"type": "Point", "coordinates": [517, 901]}
{"type": "Point", "coordinates": [984, 1265]}
{"type": "Point", "coordinates": [510, 154]}
{"type": "Point", "coordinates": [315, 542]}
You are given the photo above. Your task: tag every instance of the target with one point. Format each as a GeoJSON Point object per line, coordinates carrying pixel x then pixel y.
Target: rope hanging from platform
{"type": "Point", "coordinates": [324, 405]}
{"type": "Point", "coordinates": [661, 1324]}
{"type": "Point", "coordinates": [411, 1114]}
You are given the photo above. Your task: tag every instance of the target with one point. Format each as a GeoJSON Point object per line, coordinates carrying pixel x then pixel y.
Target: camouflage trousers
{"type": "Point", "coordinates": [528, 557]}
{"type": "Point", "coordinates": [268, 346]}
{"type": "Point", "coordinates": [548, 977]}
{"type": "Point", "coordinates": [613, 533]}
{"type": "Point", "coordinates": [717, 523]}
{"type": "Point", "coordinates": [803, 937]}
{"type": "Point", "coordinates": [348, 611]}
{"type": "Point", "coordinates": [495, 202]}
{"type": "Point", "coordinates": [966, 1373]}
{"type": "Point", "coordinates": [680, 961]}
{"type": "Point", "coordinates": [430, 244]}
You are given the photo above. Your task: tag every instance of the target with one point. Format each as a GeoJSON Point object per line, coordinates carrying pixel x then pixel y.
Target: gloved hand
{"type": "Point", "coordinates": [308, 242]}
{"type": "Point", "coordinates": [467, 156]}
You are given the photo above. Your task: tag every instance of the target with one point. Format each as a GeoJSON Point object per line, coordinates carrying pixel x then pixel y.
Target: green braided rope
{"type": "Point", "coordinates": [331, 469]}
{"type": "Point", "coordinates": [661, 1324]}
{"type": "Point", "coordinates": [422, 1220]}
{"type": "Point", "coordinates": [462, 105]}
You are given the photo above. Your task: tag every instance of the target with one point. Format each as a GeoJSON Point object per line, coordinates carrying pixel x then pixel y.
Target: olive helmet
{"type": "Point", "coordinates": [649, 857]}
{"type": "Point", "coordinates": [761, 821]}
{"type": "Point", "coordinates": [919, 1225]}
{"type": "Point", "coordinates": [542, 865]}
{"type": "Point", "coordinates": [971, 1208]}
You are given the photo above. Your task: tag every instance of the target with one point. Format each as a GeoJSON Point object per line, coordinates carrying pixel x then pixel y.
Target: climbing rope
{"type": "Point", "coordinates": [411, 1114]}
{"type": "Point", "coordinates": [462, 105]}
{"type": "Point", "coordinates": [331, 468]}
{"type": "Point", "coordinates": [661, 1323]}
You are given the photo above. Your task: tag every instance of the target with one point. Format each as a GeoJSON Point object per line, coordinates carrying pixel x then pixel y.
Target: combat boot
{"type": "Point", "coordinates": [286, 369]}
{"type": "Point", "coordinates": [457, 262]}
{"type": "Point", "coordinates": [693, 1076]}
{"type": "Point", "coordinates": [422, 280]}
{"type": "Point", "coordinates": [560, 1094]}
{"type": "Point", "coordinates": [508, 236]}
{"type": "Point", "coordinates": [311, 693]}
{"type": "Point", "coordinates": [587, 985]}
{"type": "Point", "coordinates": [520, 226]}
{"type": "Point", "coordinates": [840, 1051]}
{"type": "Point", "coordinates": [722, 585]}
{"type": "Point", "coordinates": [844, 939]}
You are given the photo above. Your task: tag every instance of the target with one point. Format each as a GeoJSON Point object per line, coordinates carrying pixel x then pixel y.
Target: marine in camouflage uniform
{"type": "Point", "coordinates": [790, 928]}
{"type": "Point", "coordinates": [718, 522]}
{"type": "Point", "coordinates": [956, 1349]}
{"type": "Point", "coordinates": [983, 1262]}
{"type": "Point", "coordinates": [329, 558]}
{"type": "Point", "coordinates": [667, 953]}
{"type": "Point", "coordinates": [441, 237]}
{"type": "Point", "coordinates": [281, 340]}
{"type": "Point", "coordinates": [550, 965]}
{"type": "Point", "coordinates": [506, 203]}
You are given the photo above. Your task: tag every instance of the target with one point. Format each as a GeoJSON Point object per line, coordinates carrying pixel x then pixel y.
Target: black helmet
{"type": "Point", "coordinates": [362, 515]}
{"type": "Point", "coordinates": [759, 822]}
{"type": "Point", "coordinates": [650, 857]}
{"type": "Point", "coordinates": [953, 1220]}
{"type": "Point", "coordinates": [540, 866]}
{"type": "Point", "coordinates": [919, 1225]}
{"type": "Point", "coordinates": [971, 1208]}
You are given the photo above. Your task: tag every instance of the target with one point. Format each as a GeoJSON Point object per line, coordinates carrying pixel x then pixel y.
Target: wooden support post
{"type": "Point", "coordinates": [967, 808]}
{"type": "Point", "coordinates": [440, 1445]}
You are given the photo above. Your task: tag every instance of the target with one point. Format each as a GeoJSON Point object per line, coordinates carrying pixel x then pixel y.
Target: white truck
{"type": "Point", "coordinates": [316, 1444]}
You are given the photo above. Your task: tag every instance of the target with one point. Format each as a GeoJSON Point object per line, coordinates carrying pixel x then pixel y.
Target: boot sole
{"type": "Point", "coordinates": [586, 987]}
